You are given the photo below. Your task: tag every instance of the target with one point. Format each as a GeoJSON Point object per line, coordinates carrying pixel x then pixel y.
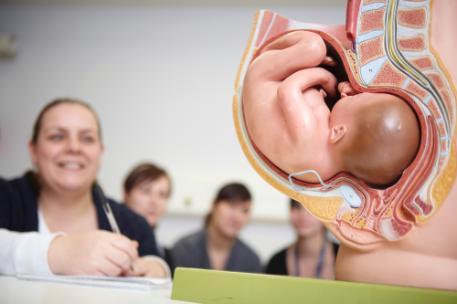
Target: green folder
{"type": "Point", "coordinates": [211, 286]}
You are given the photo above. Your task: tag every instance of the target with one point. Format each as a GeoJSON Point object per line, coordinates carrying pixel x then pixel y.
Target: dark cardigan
{"type": "Point", "coordinates": [19, 212]}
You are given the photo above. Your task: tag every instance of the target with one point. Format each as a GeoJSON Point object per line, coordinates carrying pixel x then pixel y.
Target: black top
{"type": "Point", "coordinates": [165, 253]}
{"type": "Point", "coordinates": [169, 259]}
{"type": "Point", "coordinates": [19, 212]}
{"type": "Point", "coordinates": [278, 265]}
{"type": "Point", "coordinates": [191, 251]}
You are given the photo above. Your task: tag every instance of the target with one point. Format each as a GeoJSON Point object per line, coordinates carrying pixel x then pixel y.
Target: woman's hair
{"type": "Point", "coordinates": [293, 204]}
{"type": "Point", "coordinates": [232, 193]}
{"type": "Point", "coordinates": [39, 121]}
{"type": "Point", "coordinates": [142, 173]}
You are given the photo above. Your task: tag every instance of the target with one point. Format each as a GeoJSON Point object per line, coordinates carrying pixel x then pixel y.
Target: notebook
{"type": "Point", "coordinates": [136, 283]}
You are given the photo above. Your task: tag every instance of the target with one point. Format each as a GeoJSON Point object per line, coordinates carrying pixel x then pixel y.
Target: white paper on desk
{"type": "Point", "coordinates": [137, 283]}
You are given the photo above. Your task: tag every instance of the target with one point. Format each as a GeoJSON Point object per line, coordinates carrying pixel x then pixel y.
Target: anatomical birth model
{"type": "Point", "coordinates": [358, 123]}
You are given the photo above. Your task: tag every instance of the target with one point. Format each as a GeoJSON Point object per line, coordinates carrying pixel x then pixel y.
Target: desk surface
{"type": "Point", "coordinates": [13, 290]}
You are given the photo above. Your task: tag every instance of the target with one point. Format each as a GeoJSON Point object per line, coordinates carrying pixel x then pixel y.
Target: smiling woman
{"type": "Point", "coordinates": [66, 146]}
{"type": "Point", "coordinates": [58, 201]}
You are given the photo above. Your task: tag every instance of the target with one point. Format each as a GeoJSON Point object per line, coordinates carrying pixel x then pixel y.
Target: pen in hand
{"type": "Point", "coordinates": [108, 212]}
{"type": "Point", "coordinates": [107, 209]}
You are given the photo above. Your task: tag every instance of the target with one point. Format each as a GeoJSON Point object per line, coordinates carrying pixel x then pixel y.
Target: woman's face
{"type": "Point", "coordinates": [149, 199]}
{"type": "Point", "coordinates": [68, 149]}
{"type": "Point", "coordinates": [304, 224]}
{"type": "Point", "coordinates": [230, 217]}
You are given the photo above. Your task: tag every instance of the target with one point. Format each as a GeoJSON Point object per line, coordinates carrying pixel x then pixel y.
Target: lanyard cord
{"type": "Point", "coordinates": [320, 262]}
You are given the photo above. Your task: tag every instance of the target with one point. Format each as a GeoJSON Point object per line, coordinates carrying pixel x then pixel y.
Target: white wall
{"type": "Point", "coordinates": [161, 78]}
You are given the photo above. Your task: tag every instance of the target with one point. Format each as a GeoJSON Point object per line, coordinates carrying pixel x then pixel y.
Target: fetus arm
{"type": "Point", "coordinates": [298, 105]}
{"type": "Point", "coordinates": [288, 54]}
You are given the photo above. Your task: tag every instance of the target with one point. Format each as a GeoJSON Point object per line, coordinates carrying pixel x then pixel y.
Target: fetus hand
{"type": "Point", "coordinates": [345, 89]}
{"type": "Point", "coordinates": [329, 61]}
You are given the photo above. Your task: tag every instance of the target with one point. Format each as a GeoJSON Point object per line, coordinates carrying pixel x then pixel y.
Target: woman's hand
{"type": "Point", "coordinates": [92, 253]}
{"type": "Point", "coordinates": [149, 266]}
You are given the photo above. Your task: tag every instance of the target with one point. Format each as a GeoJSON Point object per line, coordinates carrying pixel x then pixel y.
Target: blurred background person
{"type": "Point", "coordinates": [59, 199]}
{"type": "Point", "coordinates": [311, 255]}
{"type": "Point", "coordinates": [147, 189]}
{"type": "Point", "coordinates": [217, 245]}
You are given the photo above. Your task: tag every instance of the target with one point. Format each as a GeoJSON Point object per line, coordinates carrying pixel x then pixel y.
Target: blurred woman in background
{"type": "Point", "coordinates": [217, 245]}
{"type": "Point", "coordinates": [311, 255]}
{"type": "Point", "coordinates": [147, 189]}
